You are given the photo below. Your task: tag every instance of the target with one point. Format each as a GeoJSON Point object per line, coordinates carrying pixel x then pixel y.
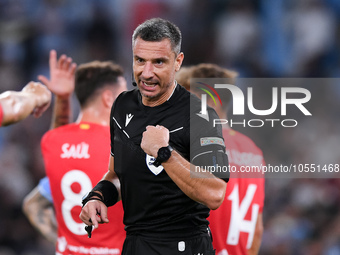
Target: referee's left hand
{"type": "Point", "coordinates": [93, 213]}
{"type": "Point", "coordinates": [154, 138]}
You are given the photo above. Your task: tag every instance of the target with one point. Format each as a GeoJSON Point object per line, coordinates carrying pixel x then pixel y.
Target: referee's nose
{"type": "Point", "coordinates": [148, 71]}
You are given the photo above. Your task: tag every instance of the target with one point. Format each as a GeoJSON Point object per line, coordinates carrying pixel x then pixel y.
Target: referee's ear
{"type": "Point", "coordinates": [179, 61]}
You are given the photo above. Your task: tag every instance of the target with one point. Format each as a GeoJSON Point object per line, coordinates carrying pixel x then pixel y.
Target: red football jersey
{"type": "Point", "coordinates": [233, 223]}
{"type": "Point", "coordinates": [76, 158]}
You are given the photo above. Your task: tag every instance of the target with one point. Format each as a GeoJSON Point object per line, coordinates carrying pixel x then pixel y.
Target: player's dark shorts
{"type": "Point", "coordinates": [198, 242]}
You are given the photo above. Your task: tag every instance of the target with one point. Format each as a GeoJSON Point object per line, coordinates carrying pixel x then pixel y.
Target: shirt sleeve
{"type": "Point", "coordinates": [45, 189]}
{"type": "Point", "coordinates": [207, 148]}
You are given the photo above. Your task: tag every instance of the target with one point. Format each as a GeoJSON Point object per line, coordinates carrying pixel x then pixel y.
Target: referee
{"type": "Point", "coordinates": [157, 140]}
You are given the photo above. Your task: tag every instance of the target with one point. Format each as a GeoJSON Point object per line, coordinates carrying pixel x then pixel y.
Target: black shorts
{"type": "Point", "coordinates": [199, 244]}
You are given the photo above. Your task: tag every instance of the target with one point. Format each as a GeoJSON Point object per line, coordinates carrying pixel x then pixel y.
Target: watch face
{"type": "Point", "coordinates": [164, 153]}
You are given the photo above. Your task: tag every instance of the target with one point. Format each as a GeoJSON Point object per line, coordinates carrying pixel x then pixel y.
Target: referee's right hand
{"type": "Point", "coordinates": [93, 213]}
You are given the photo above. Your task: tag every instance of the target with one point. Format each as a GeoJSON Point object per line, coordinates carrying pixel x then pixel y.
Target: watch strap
{"type": "Point", "coordinates": [92, 196]}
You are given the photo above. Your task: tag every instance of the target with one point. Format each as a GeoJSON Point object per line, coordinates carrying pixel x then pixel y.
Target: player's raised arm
{"type": "Point", "coordinates": [61, 83]}
{"type": "Point", "coordinates": [34, 99]}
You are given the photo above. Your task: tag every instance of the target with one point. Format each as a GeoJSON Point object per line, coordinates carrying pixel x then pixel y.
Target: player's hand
{"type": "Point", "coordinates": [154, 138]}
{"type": "Point", "coordinates": [62, 71]}
{"type": "Point", "coordinates": [96, 211]}
{"type": "Point", "coordinates": [40, 94]}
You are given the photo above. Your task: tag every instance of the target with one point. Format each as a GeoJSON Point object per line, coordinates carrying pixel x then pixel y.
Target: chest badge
{"type": "Point", "coordinates": [129, 117]}
{"type": "Point", "coordinates": [149, 162]}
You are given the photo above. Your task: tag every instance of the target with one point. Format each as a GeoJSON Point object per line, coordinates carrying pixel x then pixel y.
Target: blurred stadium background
{"type": "Point", "coordinates": [258, 38]}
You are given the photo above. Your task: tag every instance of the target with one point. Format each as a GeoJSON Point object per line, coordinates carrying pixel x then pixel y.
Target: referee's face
{"type": "Point", "coordinates": [154, 67]}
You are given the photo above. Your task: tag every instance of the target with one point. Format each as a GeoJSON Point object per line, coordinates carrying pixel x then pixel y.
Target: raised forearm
{"type": "Point", "coordinates": [202, 187]}
{"type": "Point", "coordinates": [16, 106]}
{"type": "Point", "coordinates": [61, 111]}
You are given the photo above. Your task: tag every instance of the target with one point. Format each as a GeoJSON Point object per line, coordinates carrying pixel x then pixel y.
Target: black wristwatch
{"type": "Point", "coordinates": [92, 196]}
{"type": "Point", "coordinates": [163, 155]}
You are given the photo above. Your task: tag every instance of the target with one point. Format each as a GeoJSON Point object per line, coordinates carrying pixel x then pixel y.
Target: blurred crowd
{"type": "Point", "coordinates": [257, 38]}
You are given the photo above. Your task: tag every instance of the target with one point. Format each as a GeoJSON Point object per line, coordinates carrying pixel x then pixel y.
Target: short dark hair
{"type": "Point", "coordinates": [157, 29]}
{"type": "Point", "coordinates": [92, 76]}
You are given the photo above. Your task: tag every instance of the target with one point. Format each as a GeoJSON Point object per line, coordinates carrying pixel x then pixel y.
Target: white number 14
{"type": "Point", "coordinates": [238, 223]}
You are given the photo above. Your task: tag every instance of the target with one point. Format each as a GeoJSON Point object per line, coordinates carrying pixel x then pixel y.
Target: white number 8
{"type": "Point", "coordinates": [73, 199]}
